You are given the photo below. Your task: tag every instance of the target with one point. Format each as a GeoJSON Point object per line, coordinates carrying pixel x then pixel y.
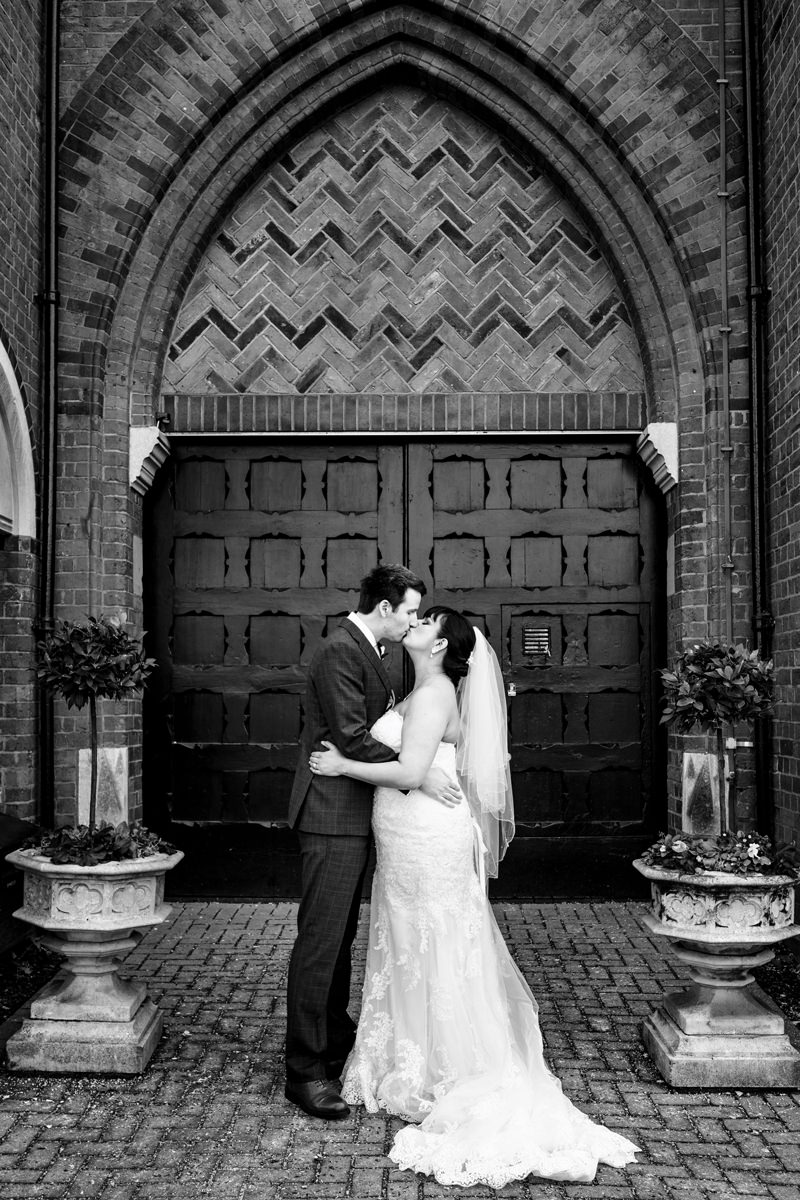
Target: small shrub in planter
{"type": "Point", "coordinates": [722, 902]}
{"type": "Point", "coordinates": [86, 846]}
{"type": "Point", "coordinates": [84, 662]}
{"type": "Point", "coordinates": [711, 685]}
{"type": "Point", "coordinates": [91, 890]}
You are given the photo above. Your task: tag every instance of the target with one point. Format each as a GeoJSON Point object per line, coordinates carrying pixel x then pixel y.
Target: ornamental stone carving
{"type": "Point", "coordinates": [720, 1032]}
{"type": "Point", "coordinates": [149, 449]}
{"type": "Point", "coordinates": [781, 910]}
{"type": "Point", "coordinates": [78, 900]}
{"type": "Point", "coordinates": [735, 910]}
{"type": "Point", "coordinates": [107, 896]}
{"type": "Point", "coordinates": [90, 1019]}
{"type": "Point", "coordinates": [658, 449]}
{"type": "Point", "coordinates": [37, 894]}
{"type": "Point", "coordinates": [132, 898]}
{"type": "Point", "coordinates": [686, 908]}
{"type": "Point", "coordinates": [742, 912]}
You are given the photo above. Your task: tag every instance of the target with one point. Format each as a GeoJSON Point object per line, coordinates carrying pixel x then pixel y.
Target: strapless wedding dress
{"type": "Point", "coordinates": [448, 1036]}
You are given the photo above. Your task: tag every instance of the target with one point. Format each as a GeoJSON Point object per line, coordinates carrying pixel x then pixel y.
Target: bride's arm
{"type": "Point", "coordinates": [424, 724]}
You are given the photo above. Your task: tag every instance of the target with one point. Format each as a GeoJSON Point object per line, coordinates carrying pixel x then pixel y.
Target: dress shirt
{"type": "Point", "coordinates": [365, 629]}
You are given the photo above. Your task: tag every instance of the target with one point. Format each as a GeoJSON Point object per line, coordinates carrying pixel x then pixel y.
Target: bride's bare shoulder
{"type": "Point", "coordinates": [437, 693]}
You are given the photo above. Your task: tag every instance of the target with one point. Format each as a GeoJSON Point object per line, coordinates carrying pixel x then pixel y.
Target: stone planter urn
{"type": "Point", "coordinates": [88, 1019]}
{"type": "Point", "coordinates": [722, 1031]}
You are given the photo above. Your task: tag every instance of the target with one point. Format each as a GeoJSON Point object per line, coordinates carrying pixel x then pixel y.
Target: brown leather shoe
{"type": "Point", "coordinates": [319, 1098]}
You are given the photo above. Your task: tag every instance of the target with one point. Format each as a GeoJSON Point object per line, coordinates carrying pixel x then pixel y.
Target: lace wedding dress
{"type": "Point", "coordinates": [448, 1036]}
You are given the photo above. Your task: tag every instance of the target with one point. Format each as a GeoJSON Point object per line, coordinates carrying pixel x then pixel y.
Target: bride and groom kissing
{"type": "Point", "coordinates": [448, 1036]}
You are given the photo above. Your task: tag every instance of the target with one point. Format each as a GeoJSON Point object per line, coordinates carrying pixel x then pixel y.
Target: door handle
{"type": "Point", "coordinates": [511, 690]}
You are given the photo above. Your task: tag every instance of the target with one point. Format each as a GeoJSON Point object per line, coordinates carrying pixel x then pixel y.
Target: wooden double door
{"type": "Point", "coordinates": [256, 548]}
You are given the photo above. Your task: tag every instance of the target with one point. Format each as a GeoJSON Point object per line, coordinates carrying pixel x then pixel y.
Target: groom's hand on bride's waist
{"type": "Point", "coordinates": [439, 786]}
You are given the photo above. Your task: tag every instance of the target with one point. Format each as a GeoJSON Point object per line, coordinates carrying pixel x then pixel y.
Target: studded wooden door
{"type": "Point", "coordinates": [552, 548]}
{"type": "Point", "coordinates": [254, 551]}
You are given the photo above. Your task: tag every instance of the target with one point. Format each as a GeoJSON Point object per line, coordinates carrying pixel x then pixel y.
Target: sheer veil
{"type": "Point", "coordinates": [482, 759]}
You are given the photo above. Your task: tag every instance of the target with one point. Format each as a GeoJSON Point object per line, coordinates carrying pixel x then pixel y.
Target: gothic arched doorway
{"type": "Point", "coordinates": [404, 269]}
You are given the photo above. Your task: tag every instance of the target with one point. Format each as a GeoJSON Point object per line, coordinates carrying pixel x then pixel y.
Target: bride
{"type": "Point", "coordinates": [448, 1036]}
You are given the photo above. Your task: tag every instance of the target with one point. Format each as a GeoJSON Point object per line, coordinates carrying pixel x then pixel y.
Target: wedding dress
{"type": "Point", "coordinates": [448, 1036]}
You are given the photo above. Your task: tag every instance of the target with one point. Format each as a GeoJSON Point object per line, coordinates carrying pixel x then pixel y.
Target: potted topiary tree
{"type": "Point", "coordinates": [711, 686]}
{"type": "Point", "coordinates": [93, 889]}
{"type": "Point", "coordinates": [724, 900]}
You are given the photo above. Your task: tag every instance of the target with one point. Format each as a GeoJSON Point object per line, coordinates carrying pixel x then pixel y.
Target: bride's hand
{"type": "Point", "coordinates": [327, 762]}
{"type": "Point", "coordinates": [441, 787]}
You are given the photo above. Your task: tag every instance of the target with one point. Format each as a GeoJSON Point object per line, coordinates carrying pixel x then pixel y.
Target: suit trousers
{"type": "Point", "coordinates": [319, 1029]}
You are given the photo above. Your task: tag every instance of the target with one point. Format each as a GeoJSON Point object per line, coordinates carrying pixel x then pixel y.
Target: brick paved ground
{"type": "Point", "coordinates": [209, 1118]}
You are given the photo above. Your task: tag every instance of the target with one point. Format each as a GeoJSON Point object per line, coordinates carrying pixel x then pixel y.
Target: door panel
{"type": "Point", "coordinates": [581, 714]}
{"type": "Point", "coordinates": [256, 551]}
{"type": "Point", "coordinates": [551, 548]}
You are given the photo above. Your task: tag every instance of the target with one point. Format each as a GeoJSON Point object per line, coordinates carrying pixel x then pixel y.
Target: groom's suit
{"type": "Point", "coordinates": [347, 690]}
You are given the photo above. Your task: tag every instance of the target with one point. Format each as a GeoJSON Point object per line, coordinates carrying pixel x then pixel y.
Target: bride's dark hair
{"type": "Point", "coordinates": [460, 641]}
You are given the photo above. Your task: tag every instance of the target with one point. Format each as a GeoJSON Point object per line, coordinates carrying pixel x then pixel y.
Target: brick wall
{"type": "Point", "coordinates": [627, 76]}
{"type": "Point", "coordinates": [90, 29]}
{"type": "Point", "coordinates": [699, 20]}
{"type": "Point", "coordinates": [781, 54]}
{"type": "Point", "coordinates": [17, 698]}
{"type": "Point", "coordinates": [20, 180]}
{"type": "Point", "coordinates": [173, 110]}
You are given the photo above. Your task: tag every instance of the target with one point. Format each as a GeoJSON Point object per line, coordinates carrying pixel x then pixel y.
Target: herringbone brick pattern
{"type": "Point", "coordinates": [403, 247]}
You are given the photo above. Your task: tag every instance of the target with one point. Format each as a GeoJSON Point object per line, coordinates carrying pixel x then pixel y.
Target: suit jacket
{"type": "Point", "coordinates": [347, 690]}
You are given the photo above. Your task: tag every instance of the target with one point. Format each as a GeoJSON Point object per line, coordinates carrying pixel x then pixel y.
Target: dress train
{"type": "Point", "coordinates": [448, 1036]}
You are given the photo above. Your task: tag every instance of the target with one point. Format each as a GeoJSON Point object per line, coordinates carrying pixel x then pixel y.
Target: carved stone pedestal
{"type": "Point", "coordinates": [88, 1019]}
{"type": "Point", "coordinates": [721, 1032]}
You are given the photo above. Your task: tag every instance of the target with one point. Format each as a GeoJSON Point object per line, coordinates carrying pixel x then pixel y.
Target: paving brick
{"type": "Point", "coordinates": [208, 1118]}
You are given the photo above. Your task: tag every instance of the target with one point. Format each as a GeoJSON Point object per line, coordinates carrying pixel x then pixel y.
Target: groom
{"type": "Point", "coordinates": [347, 690]}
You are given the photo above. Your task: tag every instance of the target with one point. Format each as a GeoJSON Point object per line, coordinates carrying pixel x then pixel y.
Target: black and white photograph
{"type": "Point", "coordinates": [399, 599]}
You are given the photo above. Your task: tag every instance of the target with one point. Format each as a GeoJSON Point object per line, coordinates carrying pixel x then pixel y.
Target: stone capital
{"type": "Point", "coordinates": [658, 450]}
{"type": "Point", "coordinates": [149, 449]}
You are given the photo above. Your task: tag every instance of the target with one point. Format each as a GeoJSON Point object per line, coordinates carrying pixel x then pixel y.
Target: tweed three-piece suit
{"type": "Point", "coordinates": [347, 690]}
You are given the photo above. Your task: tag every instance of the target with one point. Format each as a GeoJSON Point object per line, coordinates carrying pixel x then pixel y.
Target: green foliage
{"type": "Point", "coordinates": [712, 685]}
{"type": "Point", "coordinates": [87, 846]}
{"type": "Point", "coordinates": [94, 659]}
{"type": "Point", "coordinates": [737, 853]}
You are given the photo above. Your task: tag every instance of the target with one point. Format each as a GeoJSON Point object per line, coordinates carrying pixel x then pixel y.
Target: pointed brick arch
{"type": "Point", "coordinates": [402, 246]}
{"type": "Point", "coordinates": [623, 225]}
{"type": "Point", "coordinates": [187, 110]}
{"type": "Point", "coordinates": [195, 151]}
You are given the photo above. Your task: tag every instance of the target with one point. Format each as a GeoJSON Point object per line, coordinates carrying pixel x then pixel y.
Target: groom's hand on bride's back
{"type": "Point", "coordinates": [439, 786]}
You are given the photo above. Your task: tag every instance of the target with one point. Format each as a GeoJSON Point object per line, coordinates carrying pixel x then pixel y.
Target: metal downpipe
{"type": "Point", "coordinates": [49, 301]}
{"type": "Point", "coordinates": [757, 296]}
{"type": "Point", "coordinates": [726, 449]}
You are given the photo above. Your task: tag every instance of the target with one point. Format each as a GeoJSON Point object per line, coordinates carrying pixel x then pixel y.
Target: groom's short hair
{"type": "Point", "coordinates": [389, 581]}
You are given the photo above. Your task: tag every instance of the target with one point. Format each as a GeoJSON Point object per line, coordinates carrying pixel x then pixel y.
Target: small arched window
{"type": "Point", "coordinates": [17, 479]}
